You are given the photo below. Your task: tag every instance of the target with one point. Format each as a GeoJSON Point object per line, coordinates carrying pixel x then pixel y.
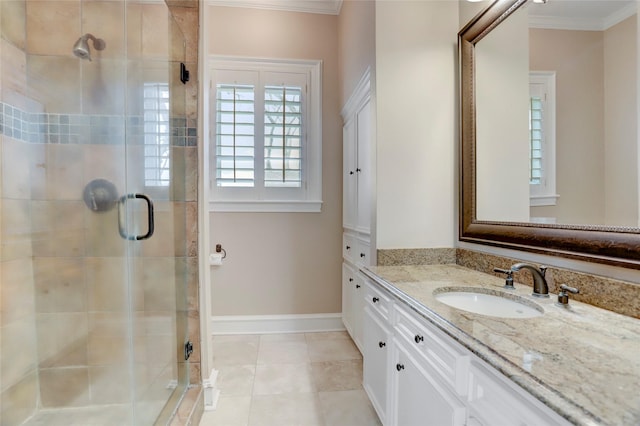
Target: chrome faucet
{"type": "Point", "coordinates": [540, 287]}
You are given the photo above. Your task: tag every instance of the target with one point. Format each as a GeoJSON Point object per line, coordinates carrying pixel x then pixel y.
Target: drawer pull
{"type": "Point", "coordinates": [362, 255]}
{"type": "Point", "coordinates": [350, 280]}
{"type": "Point", "coordinates": [382, 344]}
{"type": "Point", "coordinates": [375, 300]}
{"type": "Point", "coordinates": [357, 285]}
{"type": "Point", "coordinates": [348, 247]}
{"type": "Point", "coordinates": [399, 367]}
{"type": "Point", "coordinates": [418, 338]}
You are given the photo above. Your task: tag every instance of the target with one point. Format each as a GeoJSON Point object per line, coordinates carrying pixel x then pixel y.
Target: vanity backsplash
{"type": "Point", "coordinates": [622, 297]}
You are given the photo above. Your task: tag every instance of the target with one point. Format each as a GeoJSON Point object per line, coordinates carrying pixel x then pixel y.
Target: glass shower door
{"type": "Point", "coordinates": [156, 242]}
{"type": "Point", "coordinates": [93, 319]}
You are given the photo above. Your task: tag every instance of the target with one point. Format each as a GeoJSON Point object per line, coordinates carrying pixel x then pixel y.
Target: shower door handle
{"type": "Point", "coordinates": [122, 230]}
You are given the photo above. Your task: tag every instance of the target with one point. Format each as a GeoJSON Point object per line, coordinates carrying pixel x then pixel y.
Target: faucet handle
{"type": "Point", "coordinates": [569, 289]}
{"type": "Point", "coordinates": [508, 283]}
{"type": "Point", "coordinates": [563, 294]}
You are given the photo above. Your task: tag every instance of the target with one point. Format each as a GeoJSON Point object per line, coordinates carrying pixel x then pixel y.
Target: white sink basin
{"type": "Point", "coordinates": [488, 302]}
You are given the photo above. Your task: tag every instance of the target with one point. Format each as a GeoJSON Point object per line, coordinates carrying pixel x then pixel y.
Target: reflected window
{"type": "Point", "coordinates": [542, 140]}
{"type": "Point", "coordinates": [156, 135]}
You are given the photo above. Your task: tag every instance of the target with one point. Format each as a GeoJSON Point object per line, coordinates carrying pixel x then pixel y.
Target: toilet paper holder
{"type": "Point", "coordinates": [219, 249]}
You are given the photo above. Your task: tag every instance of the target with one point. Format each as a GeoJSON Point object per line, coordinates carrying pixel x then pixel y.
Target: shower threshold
{"type": "Point", "coordinates": [97, 415]}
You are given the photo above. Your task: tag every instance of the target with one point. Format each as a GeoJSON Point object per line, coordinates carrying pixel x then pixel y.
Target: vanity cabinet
{"type": "Point", "coordinates": [376, 345]}
{"type": "Point", "coordinates": [419, 397]}
{"type": "Point", "coordinates": [357, 247]}
{"type": "Point", "coordinates": [494, 400]}
{"type": "Point", "coordinates": [421, 376]}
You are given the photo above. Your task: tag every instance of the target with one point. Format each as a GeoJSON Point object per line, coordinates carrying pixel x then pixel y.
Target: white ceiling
{"type": "Point", "coordinates": [597, 15]}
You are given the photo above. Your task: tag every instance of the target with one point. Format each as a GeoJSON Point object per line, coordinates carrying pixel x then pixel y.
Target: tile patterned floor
{"type": "Point", "coordinates": [307, 379]}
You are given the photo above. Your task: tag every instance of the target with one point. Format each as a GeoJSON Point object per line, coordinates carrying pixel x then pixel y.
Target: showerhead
{"type": "Point", "coordinates": [81, 47]}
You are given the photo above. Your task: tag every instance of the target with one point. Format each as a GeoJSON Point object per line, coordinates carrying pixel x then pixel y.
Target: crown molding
{"type": "Point", "coordinates": [326, 7]}
{"type": "Point", "coordinates": [582, 24]}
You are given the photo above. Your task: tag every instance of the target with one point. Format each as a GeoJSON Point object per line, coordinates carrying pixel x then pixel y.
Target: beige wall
{"type": "Point", "coordinates": [502, 128]}
{"type": "Point", "coordinates": [356, 38]}
{"type": "Point", "coordinates": [285, 263]}
{"type": "Point", "coordinates": [468, 10]}
{"type": "Point", "coordinates": [577, 57]}
{"type": "Point", "coordinates": [597, 79]}
{"type": "Point", "coordinates": [416, 50]}
{"type": "Point", "coordinates": [621, 125]}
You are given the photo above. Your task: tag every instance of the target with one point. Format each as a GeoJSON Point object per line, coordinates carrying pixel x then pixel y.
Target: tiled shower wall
{"type": "Point", "coordinates": [64, 313]}
{"type": "Point", "coordinates": [18, 373]}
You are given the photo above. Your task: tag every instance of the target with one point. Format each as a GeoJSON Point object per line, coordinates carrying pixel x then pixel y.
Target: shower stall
{"type": "Point", "coordinates": [94, 252]}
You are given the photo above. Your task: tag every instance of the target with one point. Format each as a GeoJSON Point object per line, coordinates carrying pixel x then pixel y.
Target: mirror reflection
{"type": "Point", "coordinates": [557, 113]}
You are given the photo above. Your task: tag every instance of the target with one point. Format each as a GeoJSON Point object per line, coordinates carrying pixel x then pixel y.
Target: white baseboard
{"type": "Point", "coordinates": [271, 324]}
{"type": "Point", "coordinates": [211, 393]}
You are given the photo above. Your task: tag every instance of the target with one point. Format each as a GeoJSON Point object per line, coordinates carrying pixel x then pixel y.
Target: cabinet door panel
{"type": "Point", "coordinates": [348, 281]}
{"type": "Point", "coordinates": [421, 399]}
{"type": "Point", "coordinates": [376, 349]}
{"type": "Point", "coordinates": [358, 309]}
{"type": "Point", "coordinates": [349, 174]}
{"type": "Point", "coordinates": [363, 154]}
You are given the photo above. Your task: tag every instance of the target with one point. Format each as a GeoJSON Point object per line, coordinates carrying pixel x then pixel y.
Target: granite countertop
{"type": "Point", "coordinates": [581, 361]}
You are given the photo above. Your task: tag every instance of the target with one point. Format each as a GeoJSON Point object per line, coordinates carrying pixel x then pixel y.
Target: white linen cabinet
{"type": "Point", "coordinates": [357, 211]}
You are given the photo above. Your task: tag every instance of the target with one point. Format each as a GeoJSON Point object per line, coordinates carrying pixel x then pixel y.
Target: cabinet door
{"type": "Point", "coordinates": [363, 169]}
{"type": "Point", "coordinates": [358, 309]}
{"type": "Point", "coordinates": [376, 346]}
{"type": "Point", "coordinates": [353, 303]}
{"type": "Point", "coordinates": [349, 174]}
{"type": "Point", "coordinates": [420, 399]}
{"type": "Point", "coordinates": [348, 281]}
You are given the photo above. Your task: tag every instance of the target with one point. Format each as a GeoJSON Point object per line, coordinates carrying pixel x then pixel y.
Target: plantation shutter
{"type": "Point", "coordinates": [266, 135]}
{"type": "Point", "coordinates": [157, 153]}
{"type": "Point", "coordinates": [536, 135]}
{"type": "Point", "coordinates": [235, 135]}
{"type": "Point", "coordinates": [283, 136]}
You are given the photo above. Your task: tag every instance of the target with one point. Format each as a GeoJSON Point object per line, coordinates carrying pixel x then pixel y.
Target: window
{"type": "Point", "coordinates": [266, 135]}
{"type": "Point", "coordinates": [156, 135]}
{"type": "Point", "coordinates": [542, 152]}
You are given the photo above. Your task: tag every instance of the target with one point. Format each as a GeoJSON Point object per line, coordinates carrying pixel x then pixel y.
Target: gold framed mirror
{"type": "Point", "coordinates": [590, 241]}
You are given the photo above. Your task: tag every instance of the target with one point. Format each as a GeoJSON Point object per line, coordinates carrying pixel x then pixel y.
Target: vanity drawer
{"type": "Point", "coordinates": [451, 362]}
{"type": "Point", "coordinates": [363, 252]}
{"type": "Point", "coordinates": [377, 300]}
{"type": "Point", "coordinates": [349, 247]}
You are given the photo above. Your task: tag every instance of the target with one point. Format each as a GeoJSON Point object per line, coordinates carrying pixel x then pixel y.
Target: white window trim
{"type": "Point", "coordinates": [545, 194]}
{"type": "Point", "coordinates": [312, 179]}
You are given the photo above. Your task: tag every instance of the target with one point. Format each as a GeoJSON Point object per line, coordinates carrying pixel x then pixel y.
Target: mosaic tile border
{"type": "Point", "coordinates": [51, 128]}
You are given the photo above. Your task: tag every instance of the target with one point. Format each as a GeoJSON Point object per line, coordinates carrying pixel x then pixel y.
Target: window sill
{"type": "Point", "coordinates": [266, 206]}
{"type": "Point", "coordinates": [543, 200]}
